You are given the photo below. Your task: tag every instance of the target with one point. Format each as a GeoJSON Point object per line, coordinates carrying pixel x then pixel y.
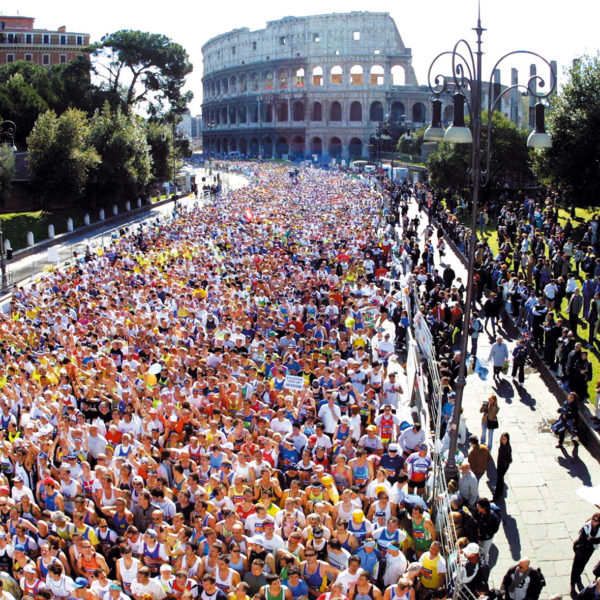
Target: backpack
{"type": "Point", "coordinates": [542, 579]}
{"type": "Point", "coordinates": [496, 512]}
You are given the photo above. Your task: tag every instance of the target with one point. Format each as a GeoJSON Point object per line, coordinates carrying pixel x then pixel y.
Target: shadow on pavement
{"type": "Point", "coordinates": [575, 467]}
{"type": "Point", "coordinates": [511, 532]}
{"type": "Point", "coordinates": [525, 397]}
{"type": "Point", "coordinates": [505, 390]}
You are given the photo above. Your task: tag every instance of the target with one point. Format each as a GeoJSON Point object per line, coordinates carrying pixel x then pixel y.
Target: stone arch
{"type": "Point", "coordinates": [217, 144]}
{"type": "Point", "coordinates": [317, 76]}
{"type": "Point", "coordinates": [317, 112]}
{"type": "Point", "coordinates": [243, 83]}
{"type": "Point", "coordinates": [224, 146]}
{"type": "Point", "coordinates": [316, 146]}
{"type": "Point", "coordinates": [254, 147]}
{"type": "Point", "coordinates": [254, 82]}
{"type": "Point", "coordinates": [299, 78]}
{"type": "Point", "coordinates": [282, 147]}
{"type": "Point", "coordinates": [218, 88]}
{"type": "Point", "coordinates": [376, 111]}
{"type": "Point", "coordinates": [233, 145]}
{"type": "Point", "coordinates": [398, 75]}
{"type": "Point", "coordinates": [224, 115]}
{"type": "Point", "coordinates": [356, 75]}
{"type": "Point", "coordinates": [335, 111]}
{"type": "Point", "coordinates": [398, 111]}
{"type": "Point", "coordinates": [335, 147]}
{"type": "Point", "coordinates": [448, 113]}
{"type": "Point", "coordinates": [268, 80]}
{"type": "Point", "coordinates": [267, 112]}
{"type": "Point", "coordinates": [282, 111]}
{"type": "Point", "coordinates": [336, 75]}
{"type": "Point", "coordinates": [232, 115]}
{"type": "Point", "coordinates": [298, 146]}
{"type": "Point", "coordinates": [225, 86]}
{"type": "Point", "coordinates": [298, 111]}
{"type": "Point", "coordinates": [267, 147]}
{"type": "Point", "coordinates": [243, 146]}
{"type": "Point", "coordinates": [253, 113]}
{"type": "Point", "coordinates": [242, 114]}
{"type": "Point", "coordinates": [282, 79]}
{"type": "Point", "coordinates": [355, 148]}
{"type": "Point", "coordinates": [418, 112]}
{"type": "Point", "coordinates": [233, 84]}
{"type": "Point", "coordinates": [377, 75]}
{"type": "Point", "coordinates": [217, 117]}
{"type": "Point", "coordinates": [356, 111]}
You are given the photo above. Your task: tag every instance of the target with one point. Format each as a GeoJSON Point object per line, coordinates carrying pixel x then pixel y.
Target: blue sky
{"type": "Point", "coordinates": [555, 29]}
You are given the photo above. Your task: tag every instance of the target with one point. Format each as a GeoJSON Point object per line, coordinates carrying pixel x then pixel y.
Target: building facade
{"type": "Point", "coordinates": [20, 41]}
{"type": "Point", "coordinates": [309, 86]}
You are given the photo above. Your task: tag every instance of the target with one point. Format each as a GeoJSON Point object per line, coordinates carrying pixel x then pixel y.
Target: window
{"type": "Point", "coordinates": [28, 38]}
{"type": "Point", "coordinates": [356, 36]}
{"type": "Point", "coordinates": [10, 38]}
{"type": "Point", "coordinates": [45, 59]}
{"type": "Point", "coordinates": [316, 38]}
{"type": "Point", "coordinates": [63, 40]}
{"type": "Point", "coordinates": [29, 57]}
{"type": "Point", "coordinates": [282, 40]}
{"type": "Point", "coordinates": [337, 52]}
{"type": "Point", "coordinates": [46, 39]}
{"type": "Point", "coordinates": [376, 51]}
{"type": "Point", "coordinates": [10, 58]}
{"type": "Point", "coordinates": [62, 59]}
{"type": "Point", "coordinates": [1, 24]}
{"type": "Point", "coordinates": [253, 45]}
{"type": "Point", "coordinates": [80, 40]}
{"type": "Point", "coordinates": [233, 50]}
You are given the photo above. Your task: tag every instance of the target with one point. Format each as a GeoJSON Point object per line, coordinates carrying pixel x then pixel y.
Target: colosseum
{"type": "Point", "coordinates": [308, 87]}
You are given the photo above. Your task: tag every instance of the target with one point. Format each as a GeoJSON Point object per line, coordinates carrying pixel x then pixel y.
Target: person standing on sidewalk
{"type": "Point", "coordinates": [519, 354]}
{"type": "Point", "coordinates": [498, 356]}
{"type": "Point", "coordinates": [585, 544]}
{"type": "Point", "coordinates": [492, 308]}
{"type": "Point", "coordinates": [502, 464]}
{"type": "Point", "coordinates": [475, 328]}
{"type": "Point", "coordinates": [479, 457]}
{"type": "Point", "coordinates": [574, 309]}
{"type": "Point", "coordinates": [489, 419]}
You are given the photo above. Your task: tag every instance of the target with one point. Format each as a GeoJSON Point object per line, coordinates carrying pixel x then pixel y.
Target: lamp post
{"type": "Point", "coordinates": [467, 83]}
{"type": "Point", "coordinates": [7, 132]}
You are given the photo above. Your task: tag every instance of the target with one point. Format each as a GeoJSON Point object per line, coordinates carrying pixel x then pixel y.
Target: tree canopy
{"type": "Point", "coordinates": [572, 164]}
{"type": "Point", "coordinates": [145, 69]}
{"type": "Point", "coordinates": [510, 161]}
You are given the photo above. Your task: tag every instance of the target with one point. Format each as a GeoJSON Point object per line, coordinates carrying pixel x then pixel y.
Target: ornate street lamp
{"type": "Point", "coordinates": [466, 82]}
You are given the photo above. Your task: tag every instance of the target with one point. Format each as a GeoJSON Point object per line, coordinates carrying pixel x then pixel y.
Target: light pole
{"type": "Point", "coordinates": [7, 132]}
{"type": "Point", "coordinates": [466, 82]}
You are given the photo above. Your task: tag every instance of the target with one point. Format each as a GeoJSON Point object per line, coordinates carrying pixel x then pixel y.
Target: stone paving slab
{"type": "Point", "coordinates": [542, 512]}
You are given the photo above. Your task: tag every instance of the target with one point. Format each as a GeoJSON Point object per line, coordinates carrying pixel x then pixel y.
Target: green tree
{"type": "Point", "coordinates": [160, 141]}
{"type": "Point", "coordinates": [7, 169]}
{"type": "Point", "coordinates": [411, 143]}
{"type": "Point", "coordinates": [145, 69]}
{"type": "Point", "coordinates": [61, 157]}
{"type": "Point", "coordinates": [126, 165]}
{"type": "Point", "coordinates": [21, 103]}
{"type": "Point", "coordinates": [572, 164]}
{"type": "Point", "coordinates": [510, 160]}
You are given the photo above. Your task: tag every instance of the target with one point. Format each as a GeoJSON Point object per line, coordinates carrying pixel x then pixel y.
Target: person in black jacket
{"type": "Point", "coordinates": [521, 582]}
{"type": "Point", "coordinates": [502, 464]}
{"type": "Point", "coordinates": [491, 309]}
{"type": "Point", "coordinates": [591, 592]}
{"type": "Point", "coordinates": [585, 544]}
{"type": "Point", "coordinates": [568, 417]}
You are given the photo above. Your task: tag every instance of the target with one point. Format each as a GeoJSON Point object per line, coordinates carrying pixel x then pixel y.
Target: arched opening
{"type": "Point", "coordinates": [253, 147]}
{"type": "Point", "coordinates": [377, 75]}
{"type": "Point", "coordinates": [418, 113]}
{"type": "Point", "coordinates": [298, 147]}
{"type": "Point", "coordinates": [254, 82]}
{"type": "Point", "coordinates": [448, 113]}
{"type": "Point", "coordinates": [335, 111]}
{"type": "Point", "coordinates": [398, 111]}
{"type": "Point", "coordinates": [268, 112]}
{"type": "Point", "coordinates": [269, 80]}
{"type": "Point", "coordinates": [317, 76]}
{"type": "Point", "coordinates": [356, 75]}
{"type": "Point", "coordinates": [243, 147]}
{"type": "Point", "coordinates": [336, 75]}
{"type": "Point", "coordinates": [376, 111]}
{"type": "Point", "coordinates": [224, 115]}
{"type": "Point", "coordinates": [356, 111]}
{"type": "Point", "coordinates": [254, 113]}
{"type": "Point", "coordinates": [243, 83]}
{"type": "Point", "coordinates": [267, 147]}
{"type": "Point", "coordinates": [232, 84]}
{"type": "Point", "coordinates": [317, 112]}
{"type": "Point", "coordinates": [282, 78]}
{"type": "Point", "coordinates": [242, 113]}
{"type": "Point", "coordinates": [232, 115]}
{"type": "Point", "coordinates": [224, 147]}
{"type": "Point", "coordinates": [355, 148]}
{"type": "Point", "coordinates": [335, 148]}
{"type": "Point", "coordinates": [298, 111]}
{"type": "Point", "coordinates": [224, 86]}
{"type": "Point", "coordinates": [299, 78]}
{"type": "Point", "coordinates": [282, 147]}
{"type": "Point", "coordinates": [218, 87]}
{"type": "Point", "coordinates": [282, 111]}
{"type": "Point", "coordinates": [233, 145]}
{"type": "Point", "coordinates": [398, 75]}
{"type": "Point", "coordinates": [316, 146]}
{"type": "Point", "coordinates": [217, 117]}
{"type": "Point", "coordinates": [218, 146]}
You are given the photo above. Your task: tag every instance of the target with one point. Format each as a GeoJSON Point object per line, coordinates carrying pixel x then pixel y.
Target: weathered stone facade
{"type": "Point", "coordinates": [309, 85]}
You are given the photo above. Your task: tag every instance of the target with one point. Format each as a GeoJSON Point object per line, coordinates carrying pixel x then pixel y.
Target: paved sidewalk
{"type": "Point", "coordinates": [542, 512]}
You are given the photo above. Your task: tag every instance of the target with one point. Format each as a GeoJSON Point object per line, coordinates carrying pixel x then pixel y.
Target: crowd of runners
{"type": "Point", "coordinates": [212, 408]}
